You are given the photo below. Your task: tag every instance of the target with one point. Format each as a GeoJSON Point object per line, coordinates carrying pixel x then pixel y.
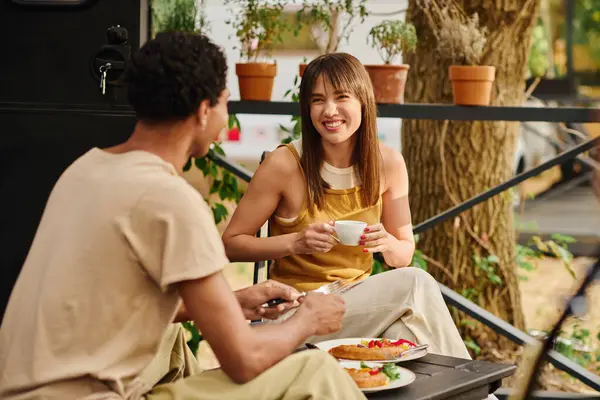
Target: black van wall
{"type": "Point", "coordinates": [51, 109]}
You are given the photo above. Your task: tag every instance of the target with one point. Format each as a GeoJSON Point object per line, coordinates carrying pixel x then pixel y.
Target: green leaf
{"type": "Point", "coordinates": [563, 238]}
{"type": "Point", "coordinates": [214, 171]}
{"type": "Point", "coordinates": [472, 345]}
{"type": "Point", "coordinates": [582, 334]}
{"type": "Point", "coordinates": [297, 130]}
{"type": "Point", "coordinates": [219, 212]}
{"type": "Point", "coordinates": [493, 259]}
{"type": "Point", "coordinates": [187, 165]}
{"type": "Point", "coordinates": [218, 149]}
{"type": "Point", "coordinates": [495, 279]}
{"type": "Point", "coordinates": [564, 255]}
{"type": "Point", "coordinates": [418, 261]}
{"type": "Point", "coordinates": [201, 164]}
{"type": "Point", "coordinates": [364, 365]}
{"type": "Point", "coordinates": [196, 338]}
{"type": "Point", "coordinates": [214, 188]}
{"type": "Point", "coordinates": [392, 371]}
{"type": "Point", "coordinates": [233, 184]}
{"type": "Point", "coordinates": [526, 265]}
{"type": "Point", "coordinates": [468, 322]}
{"type": "Point", "coordinates": [470, 294]}
{"type": "Point", "coordinates": [223, 193]}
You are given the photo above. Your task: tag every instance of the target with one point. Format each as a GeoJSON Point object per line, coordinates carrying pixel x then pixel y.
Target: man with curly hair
{"type": "Point", "coordinates": [125, 240]}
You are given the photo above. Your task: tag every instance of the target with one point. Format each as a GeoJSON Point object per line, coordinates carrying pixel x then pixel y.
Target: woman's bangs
{"type": "Point", "coordinates": [340, 75]}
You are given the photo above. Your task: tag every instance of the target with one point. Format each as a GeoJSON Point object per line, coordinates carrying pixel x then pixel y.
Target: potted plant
{"type": "Point", "coordinates": [258, 26]}
{"type": "Point", "coordinates": [391, 38]}
{"type": "Point", "coordinates": [330, 22]}
{"type": "Point", "coordinates": [179, 15]}
{"type": "Point", "coordinates": [461, 40]}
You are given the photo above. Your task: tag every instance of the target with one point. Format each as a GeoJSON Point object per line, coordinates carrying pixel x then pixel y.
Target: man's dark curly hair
{"type": "Point", "coordinates": [171, 74]}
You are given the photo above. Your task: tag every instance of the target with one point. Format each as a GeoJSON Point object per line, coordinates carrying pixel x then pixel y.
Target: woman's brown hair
{"type": "Point", "coordinates": [344, 72]}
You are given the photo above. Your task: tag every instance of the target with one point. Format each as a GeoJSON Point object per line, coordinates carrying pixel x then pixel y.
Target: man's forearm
{"type": "Point", "coordinates": [273, 342]}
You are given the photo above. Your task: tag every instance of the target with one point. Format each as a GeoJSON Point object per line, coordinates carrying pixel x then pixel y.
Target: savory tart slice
{"type": "Point", "coordinates": [373, 350]}
{"type": "Point", "coordinates": [374, 376]}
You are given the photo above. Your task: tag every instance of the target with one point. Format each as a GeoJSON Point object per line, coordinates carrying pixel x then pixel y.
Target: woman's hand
{"type": "Point", "coordinates": [315, 238]}
{"type": "Point", "coordinates": [253, 297]}
{"type": "Point", "coordinates": [376, 239]}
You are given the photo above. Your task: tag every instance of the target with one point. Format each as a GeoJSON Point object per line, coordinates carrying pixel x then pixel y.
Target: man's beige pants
{"type": "Point", "coordinates": [174, 374]}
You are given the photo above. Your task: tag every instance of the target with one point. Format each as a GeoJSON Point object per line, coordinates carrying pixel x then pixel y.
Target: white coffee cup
{"type": "Point", "coordinates": [349, 232]}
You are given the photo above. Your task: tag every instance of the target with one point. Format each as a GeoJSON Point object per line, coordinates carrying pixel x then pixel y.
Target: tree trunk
{"type": "Point", "coordinates": [449, 162]}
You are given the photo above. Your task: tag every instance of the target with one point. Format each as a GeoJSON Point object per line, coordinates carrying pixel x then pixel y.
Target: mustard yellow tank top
{"type": "Point", "coordinates": [309, 271]}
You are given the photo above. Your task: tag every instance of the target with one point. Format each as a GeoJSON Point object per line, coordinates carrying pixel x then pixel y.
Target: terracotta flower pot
{"type": "Point", "coordinates": [472, 85]}
{"type": "Point", "coordinates": [301, 69]}
{"type": "Point", "coordinates": [388, 82]}
{"type": "Point", "coordinates": [256, 80]}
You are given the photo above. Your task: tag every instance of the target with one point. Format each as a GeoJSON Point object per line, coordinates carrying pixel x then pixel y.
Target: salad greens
{"type": "Point", "coordinates": [390, 369]}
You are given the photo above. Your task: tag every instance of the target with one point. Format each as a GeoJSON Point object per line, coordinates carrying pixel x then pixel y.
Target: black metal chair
{"type": "Point", "coordinates": [259, 266]}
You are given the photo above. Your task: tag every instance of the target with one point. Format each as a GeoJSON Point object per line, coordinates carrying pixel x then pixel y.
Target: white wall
{"type": "Point", "coordinates": [260, 133]}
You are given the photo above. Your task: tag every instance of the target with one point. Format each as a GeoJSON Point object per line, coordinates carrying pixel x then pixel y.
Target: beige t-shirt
{"type": "Point", "coordinates": [95, 293]}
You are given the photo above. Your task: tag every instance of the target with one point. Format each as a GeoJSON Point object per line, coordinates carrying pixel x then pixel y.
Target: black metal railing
{"type": "Point", "coordinates": [450, 112]}
{"type": "Point", "coordinates": [438, 112]}
{"type": "Point", "coordinates": [415, 111]}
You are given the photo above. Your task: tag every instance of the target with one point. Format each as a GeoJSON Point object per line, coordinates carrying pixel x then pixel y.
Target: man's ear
{"type": "Point", "coordinates": [202, 113]}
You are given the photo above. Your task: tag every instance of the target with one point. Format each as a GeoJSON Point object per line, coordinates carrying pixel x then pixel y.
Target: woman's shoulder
{"type": "Point", "coordinates": [394, 169]}
{"type": "Point", "coordinates": [281, 160]}
{"type": "Point", "coordinates": [392, 159]}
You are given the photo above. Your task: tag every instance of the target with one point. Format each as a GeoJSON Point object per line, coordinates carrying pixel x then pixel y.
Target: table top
{"type": "Point", "coordinates": [442, 377]}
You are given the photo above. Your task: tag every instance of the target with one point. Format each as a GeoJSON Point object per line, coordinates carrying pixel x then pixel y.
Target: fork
{"type": "Point", "coordinates": [404, 353]}
{"type": "Point", "coordinates": [336, 287]}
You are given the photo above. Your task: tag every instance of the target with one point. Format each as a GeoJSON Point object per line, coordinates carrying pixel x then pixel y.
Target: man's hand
{"type": "Point", "coordinates": [253, 297]}
{"type": "Point", "coordinates": [324, 312]}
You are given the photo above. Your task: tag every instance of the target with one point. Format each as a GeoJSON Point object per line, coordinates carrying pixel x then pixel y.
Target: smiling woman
{"type": "Point", "coordinates": [340, 166]}
{"type": "Point", "coordinates": [339, 120]}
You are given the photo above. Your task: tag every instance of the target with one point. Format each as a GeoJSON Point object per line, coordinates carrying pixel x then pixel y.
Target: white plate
{"type": "Point", "coordinates": [406, 376]}
{"type": "Point", "coordinates": [329, 344]}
